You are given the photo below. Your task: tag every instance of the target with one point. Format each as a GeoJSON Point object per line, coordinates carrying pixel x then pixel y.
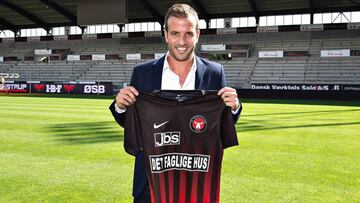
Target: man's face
{"type": "Point", "coordinates": [181, 37]}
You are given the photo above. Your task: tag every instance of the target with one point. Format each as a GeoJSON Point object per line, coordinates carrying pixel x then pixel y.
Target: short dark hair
{"type": "Point", "coordinates": [181, 11]}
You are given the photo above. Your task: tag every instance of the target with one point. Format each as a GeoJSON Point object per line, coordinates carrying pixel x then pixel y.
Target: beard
{"type": "Point", "coordinates": [181, 56]}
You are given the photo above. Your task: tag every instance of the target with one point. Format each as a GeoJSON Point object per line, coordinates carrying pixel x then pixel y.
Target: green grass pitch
{"type": "Point", "coordinates": [55, 149]}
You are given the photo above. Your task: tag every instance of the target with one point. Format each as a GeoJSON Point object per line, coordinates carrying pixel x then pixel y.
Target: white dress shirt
{"type": "Point", "coordinates": [171, 81]}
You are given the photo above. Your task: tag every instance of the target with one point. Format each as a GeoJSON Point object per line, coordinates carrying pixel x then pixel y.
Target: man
{"type": "Point", "coordinates": [179, 69]}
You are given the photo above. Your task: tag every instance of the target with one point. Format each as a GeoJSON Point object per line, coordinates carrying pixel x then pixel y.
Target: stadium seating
{"type": "Point", "coordinates": [241, 71]}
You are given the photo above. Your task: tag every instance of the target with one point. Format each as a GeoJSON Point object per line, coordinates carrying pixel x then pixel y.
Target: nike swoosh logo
{"type": "Point", "coordinates": [161, 124]}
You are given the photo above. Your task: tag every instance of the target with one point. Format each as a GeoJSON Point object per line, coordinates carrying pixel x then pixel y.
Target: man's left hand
{"type": "Point", "coordinates": [229, 97]}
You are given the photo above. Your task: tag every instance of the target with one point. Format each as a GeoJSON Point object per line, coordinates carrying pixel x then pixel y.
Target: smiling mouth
{"type": "Point", "coordinates": [181, 49]}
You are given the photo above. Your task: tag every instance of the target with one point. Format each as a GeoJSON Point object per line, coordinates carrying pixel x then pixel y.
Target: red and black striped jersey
{"type": "Point", "coordinates": [182, 134]}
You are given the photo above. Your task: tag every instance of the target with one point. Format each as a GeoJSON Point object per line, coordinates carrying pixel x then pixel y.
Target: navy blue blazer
{"type": "Point", "coordinates": [147, 78]}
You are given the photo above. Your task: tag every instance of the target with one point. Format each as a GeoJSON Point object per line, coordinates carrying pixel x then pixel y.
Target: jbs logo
{"type": "Point", "coordinates": [167, 138]}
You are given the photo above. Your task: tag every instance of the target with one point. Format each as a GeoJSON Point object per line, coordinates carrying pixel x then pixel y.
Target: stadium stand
{"type": "Point", "coordinates": [241, 72]}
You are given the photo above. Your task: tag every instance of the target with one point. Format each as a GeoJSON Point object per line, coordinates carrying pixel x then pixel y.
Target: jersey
{"type": "Point", "coordinates": [182, 134]}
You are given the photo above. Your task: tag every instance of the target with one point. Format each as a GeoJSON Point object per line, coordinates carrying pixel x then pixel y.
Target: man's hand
{"type": "Point", "coordinates": [229, 97]}
{"type": "Point", "coordinates": [126, 97]}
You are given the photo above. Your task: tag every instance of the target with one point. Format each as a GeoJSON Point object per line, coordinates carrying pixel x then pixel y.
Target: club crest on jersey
{"type": "Point", "coordinates": [198, 123]}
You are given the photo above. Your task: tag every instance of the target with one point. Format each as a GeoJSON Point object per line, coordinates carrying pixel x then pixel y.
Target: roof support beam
{"type": "Point", "coordinates": [25, 13]}
{"type": "Point", "coordinates": [60, 10]}
{"type": "Point", "coordinates": [159, 18]}
{"type": "Point", "coordinates": [4, 25]}
{"type": "Point", "coordinates": [354, 2]}
{"type": "Point", "coordinates": [311, 11]}
{"type": "Point", "coordinates": [121, 26]}
{"type": "Point", "coordinates": [255, 10]}
{"type": "Point", "coordinates": [286, 12]}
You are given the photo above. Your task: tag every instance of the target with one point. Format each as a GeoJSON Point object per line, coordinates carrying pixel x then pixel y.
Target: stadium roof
{"type": "Point", "coordinates": [20, 14]}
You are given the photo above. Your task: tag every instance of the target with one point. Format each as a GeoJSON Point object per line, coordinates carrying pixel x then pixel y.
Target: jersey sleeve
{"type": "Point", "coordinates": [132, 131]}
{"type": "Point", "coordinates": [228, 131]}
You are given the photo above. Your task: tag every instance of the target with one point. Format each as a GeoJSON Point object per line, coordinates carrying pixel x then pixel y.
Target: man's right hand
{"type": "Point", "coordinates": [126, 97]}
